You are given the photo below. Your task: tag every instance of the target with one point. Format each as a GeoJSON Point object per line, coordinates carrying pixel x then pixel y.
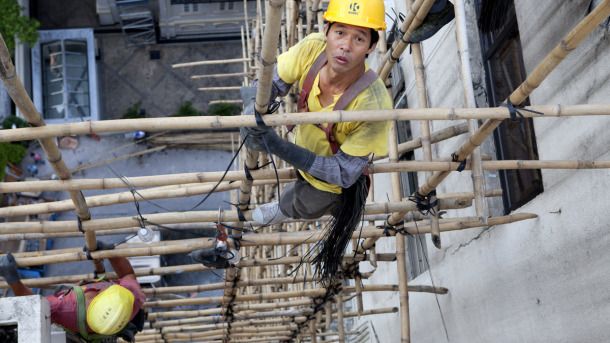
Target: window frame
{"type": "Point", "coordinates": [491, 45]}
{"type": "Point", "coordinates": [48, 36]}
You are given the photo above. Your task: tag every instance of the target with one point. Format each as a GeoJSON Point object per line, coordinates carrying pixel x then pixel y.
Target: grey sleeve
{"type": "Point", "coordinates": [340, 169]}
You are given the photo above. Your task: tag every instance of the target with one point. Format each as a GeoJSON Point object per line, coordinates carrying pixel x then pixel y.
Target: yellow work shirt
{"type": "Point", "coordinates": [359, 138]}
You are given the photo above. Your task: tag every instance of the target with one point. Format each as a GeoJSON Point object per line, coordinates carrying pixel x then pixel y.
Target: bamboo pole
{"type": "Point", "coordinates": [217, 76]}
{"type": "Point", "coordinates": [284, 174]}
{"type": "Point", "coordinates": [273, 12]}
{"type": "Point", "coordinates": [542, 70]}
{"type": "Point", "coordinates": [225, 88]}
{"type": "Point", "coordinates": [340, 323]}
{"type": "Point", "coordinates": [422, 95]}
{"type": "Point", "coordinates": [478, 181]}
{"type": "Point", "coordinates": [207, 62]}
{"type": "Point", "coordinates": [226, 101]}
{"type": "Point", "coordinates": [90, 165]}
{"type": "Point", "coordinates": [401, 259]}
{"type": "Point", "coordinates": [217, 122]}
{"type": "Point", "coordinates": [20, 97]}
{"type": "Point", "coordinates": [417, 12]}
{"type": "Point", "coordinates": [187, 217]}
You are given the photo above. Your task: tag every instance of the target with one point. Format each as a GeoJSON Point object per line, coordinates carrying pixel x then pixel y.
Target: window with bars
{"type": "Point", "coordinates": [514, 140]}
{"type": "Point", "coordinates": [65, 79]}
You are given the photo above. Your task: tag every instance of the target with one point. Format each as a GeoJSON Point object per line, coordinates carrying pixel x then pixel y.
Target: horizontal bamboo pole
{"type": "Point", "coordinates": [11, 228]}
{"type": "Point", "coordinates": [216, 76]}
{"type": "Point", "coordinates": [435, 137]}
{"type": "Point", "coordinates": [236, 308]}
{"type": "Point", "coordinates": [163, 192]}
{"type": "Point", "coordinates": [142, 181]}
{"type": "Point", "coordinates": [216, 122]}
{"type": "Point", "coordinates": [268, 174]}
{"type": "Point", "coordinates": [226, 88]}
{"type": "Point", "coordinates": [209, 62]}
{"type": "Point", "coordinates": [272, 296]}
{"type": "Point", "coordinates": [266, 239]}
{"type": "Point", "coordinates": [228, 101]}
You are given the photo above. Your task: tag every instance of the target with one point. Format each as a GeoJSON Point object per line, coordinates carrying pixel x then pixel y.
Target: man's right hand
{"type": "Point", "coordinates": [8, 268]}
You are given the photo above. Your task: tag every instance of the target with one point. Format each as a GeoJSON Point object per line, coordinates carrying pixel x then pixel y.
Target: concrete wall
{"type": "Point", "coordinates": [542, 280]}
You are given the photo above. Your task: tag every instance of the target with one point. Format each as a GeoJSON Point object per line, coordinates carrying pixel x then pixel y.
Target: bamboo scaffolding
{"type": "Point", "coordinates": [284, 174]}
{"type": "Point", "coordinates": [542, 70]}
{"type": "Point", "coordinates": [184, 246]}
{"type": "Point", "coordinates": [283, 295]}
{"type": "Point", "coordinates": [11, 228]}
{"type": "Point", "coordinates": [207, 62]}
{"type": "Point", "coordinates": [22, 100]}
{"type": "Point", "coordinates": [217, 122]}
{"type": "Point", "coordinates": [219, 76]}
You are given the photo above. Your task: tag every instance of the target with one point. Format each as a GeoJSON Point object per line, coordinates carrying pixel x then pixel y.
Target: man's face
{"type": "Point", "coordinates": [347, 47]}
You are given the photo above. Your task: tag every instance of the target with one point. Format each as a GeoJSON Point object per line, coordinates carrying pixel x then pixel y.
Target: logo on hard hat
{"type": "Point", "coordinates": [354, 8]}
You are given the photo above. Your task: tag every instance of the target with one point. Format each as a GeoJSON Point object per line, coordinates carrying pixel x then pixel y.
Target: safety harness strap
{"type": "Point", "coordinates": [81, 311]}
{"type": "Point", "coordinates": [350, 94]}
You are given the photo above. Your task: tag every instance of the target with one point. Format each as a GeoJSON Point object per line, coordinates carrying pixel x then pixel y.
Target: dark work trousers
{"type": "Point", "coordinates": [300, 200]}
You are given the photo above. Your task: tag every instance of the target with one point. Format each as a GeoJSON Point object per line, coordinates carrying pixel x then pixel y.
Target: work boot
{"type": "Point", "coordinates": [268, 214]}
{"type": "Point", "coordinates": [434, 21]}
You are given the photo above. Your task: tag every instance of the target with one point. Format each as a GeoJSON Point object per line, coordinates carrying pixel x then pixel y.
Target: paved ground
{"type": "Point", "coordinates": [128, 75]}
{"type": "Point", "coordinates": [164, 162]}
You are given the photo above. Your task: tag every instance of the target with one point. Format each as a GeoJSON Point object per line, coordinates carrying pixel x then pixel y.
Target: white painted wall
{"type": "Point", "coordinates": [543, 280]}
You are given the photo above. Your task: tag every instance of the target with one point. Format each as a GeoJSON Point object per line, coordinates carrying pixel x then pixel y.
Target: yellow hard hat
{"type": "Point", "coordinates": [364, 13]}
{"type": "Point", "coordinates": [110, 311]}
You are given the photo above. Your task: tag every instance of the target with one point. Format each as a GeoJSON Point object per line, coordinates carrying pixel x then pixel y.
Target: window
{"type": "Point", "coordinates": [64, 77]}
{"type": "Point", "coordinates": [417, 252]}
{"type": "Point", "coordinates": [187, 8]}
{"type": "Point", "coordinates": [65, 80]}
{"type": "Point", "coordinates": [514, 140]}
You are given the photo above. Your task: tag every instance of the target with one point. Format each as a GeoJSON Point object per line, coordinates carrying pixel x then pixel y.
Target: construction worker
{"type": "Point", "coordinates": [330, 71]}
{"type": "Point", "coordinates": [93, 312]}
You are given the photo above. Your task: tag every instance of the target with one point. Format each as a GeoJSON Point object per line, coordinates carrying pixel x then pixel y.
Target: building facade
{"type": "Point", "coordinates": [541, 280]}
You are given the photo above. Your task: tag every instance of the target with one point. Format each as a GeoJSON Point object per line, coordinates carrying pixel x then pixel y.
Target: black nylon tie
{"type": "Point", "coordinates": [462, 166]}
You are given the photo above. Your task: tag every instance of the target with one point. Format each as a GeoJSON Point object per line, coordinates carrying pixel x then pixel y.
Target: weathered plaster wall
{"type": "Point", "coordinates": [542, 280]}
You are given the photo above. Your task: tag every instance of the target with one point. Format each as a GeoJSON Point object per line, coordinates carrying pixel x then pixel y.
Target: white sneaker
{"type": "Point", "coordinates": [268, 214]}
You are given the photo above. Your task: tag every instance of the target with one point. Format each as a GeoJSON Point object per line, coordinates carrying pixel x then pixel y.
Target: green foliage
{"type": "Point", "coordinates": [11, 120]}
{"type": "Point", "coordinates": [12, 24]}
{"type": "Point", "coordinates": [224, 109]}
{"type": "Point", "coordinates": [186, 110]}
{"type": "Point", "coordinates": [8, 122]}
{"type": "Point", "coordinates": [134, 111]}
{"type": "Point", "coordinates": [12, 153]}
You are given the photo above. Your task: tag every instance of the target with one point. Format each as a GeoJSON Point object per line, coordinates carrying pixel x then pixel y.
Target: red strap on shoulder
{"type": "Point", "coordinates": [314, 70]}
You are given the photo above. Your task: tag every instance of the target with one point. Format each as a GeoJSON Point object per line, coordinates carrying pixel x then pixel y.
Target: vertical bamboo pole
{"type": "Point", "coordinates": [244, 55]}
{"type": "Point", "coordinates": [328, 311]}
{"type": "Point", "coordinates": [401, 259]}
{"type": "Point", "coordinates": [417, 12]}
{"type": "Point", "coordinates": [309, 16]}
{"type": "Point", "coordinates": [542, 70]}
{"type": "Point", "coordinates": [312, 331]}
{"type": "Point", "coordinates": [22, 100]}
{"type": "Point", "coordinates": [358, 284]}
{"type": "Point", "coordinates": [478, 181]}
{"type": "Point", "coordinates": [422, 95]}
{"type": "Point", "coordinates": [263, 92]}
{"type": "Point", "coordinates": [340, 323]}
{"type": "Point", "coordinates": [319, 16]}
